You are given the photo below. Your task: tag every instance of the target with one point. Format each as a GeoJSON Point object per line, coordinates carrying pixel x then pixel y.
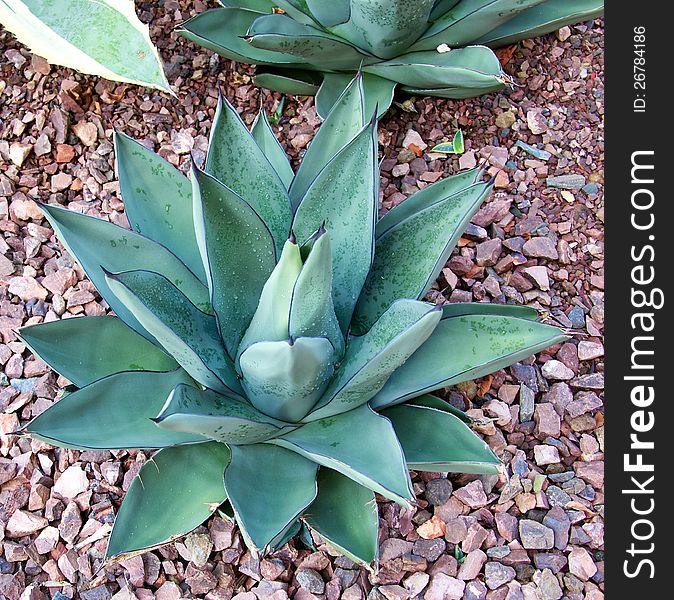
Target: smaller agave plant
{"type": "Point", "coordinates": [271, 338]}
{"type": "Point", "coordinates": [427, 47]}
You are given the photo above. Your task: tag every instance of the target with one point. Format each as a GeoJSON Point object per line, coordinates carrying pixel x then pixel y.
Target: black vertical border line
{"type": "Point", "coordinates": [638, 120]}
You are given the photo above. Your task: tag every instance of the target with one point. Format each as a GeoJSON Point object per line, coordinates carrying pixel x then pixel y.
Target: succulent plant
{"type": "Point", "coordinates": [428, 47]}
{"type": "Point", "coordinates": [271, 338]}
{"type": "Point", "coordinates": [106, 38]}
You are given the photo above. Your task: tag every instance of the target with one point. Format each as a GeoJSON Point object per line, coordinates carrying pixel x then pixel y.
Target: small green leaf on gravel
{"type": "Point", "coordinates": [453, 147]}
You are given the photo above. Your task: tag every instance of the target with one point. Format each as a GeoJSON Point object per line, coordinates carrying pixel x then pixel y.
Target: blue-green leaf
{"type": "Point", "coordinates": [371, 358]}
{"type": "Point", "coordinates": [186, 333]}
{"type": "Point", "coordinates": [86, 349]}
{"type": "Point", "coordinates": [411, 252]}
{"type": "Point", "coordinates": [222, 30]}
{"type": "Point", "coordinates": [468, 68]}
{"type": "Point", "coordinates": [237, 162]}
{"type": "Point", "coordinates": [100, 246]}
{"type": "Point", "coordinates": [466, 347]}
{"type": "Point", "coordinates": [285, 379]}
{"type": "Point", "coordinates": [272, 316]}
{"type": "Point", "coordinates": [453, 147]}
{"type": "Point", "coordinates": [280, 33]}
{"type": "Point", "coordinates": [221, 418]}
{"type": "Point", "coordinates": [344, 196]}
{"type": "Point", "coordinates": [114, 412]}
{"type": "Point", "coordinates": [344, 121]}
{"type": "Point", "coordinates": [329, 13]}
{"type": "Point", "coordinates": [238, 253]}
{"type": "Point", "coordinates": [430, 401]}
{"type": "Point", "coordinates": [378, 93]}
{"type": "Point", "coordinates": [435, 440]}
{"type": "Point", "coordinates": [457, 309]}
{"type": "Point", "coordinates": [441, 7]}
{"type": "Point", "coordinates": [542, 19]}
{"type": "Point", "coordinates": [286, 80]}
{"type": "Point", "coordinates": [359, 444]}
{"type": "Point", "coordinates": [272, 149]}
{"type": "Point", "coordinates": [458, 92]}
{"type": "Point", "coordinates": [312, 312]}
{"type": "Point", "coordinates": [157, 200]}
{"type": "Point", "coordinates": [428, 196]}
{"type": "Point", "coordinates": [469, 20]}
{"type": "Point", "coordinates": [345, 515]}
{"type": "Point", "coordinates": [385, 28]}
{"type": "Point", "coordinates": [174, 492]}
{"type": "Point", "coordinates": [268, 487]}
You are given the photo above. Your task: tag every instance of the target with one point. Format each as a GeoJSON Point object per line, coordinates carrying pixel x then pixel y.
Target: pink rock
{"type": "Point", "coordinates": [472, 494]}
{"type": "Point", "coordinates": [444, 587]}
{"type": "Point", "coordinates": [47, 540]}
{"type": "Point", "coordinates": [23, 523]}
{"type": "Point", "coordinates": [412, 137]}
{"type": "Point", "coordinates": [581, 563]}
{"type": "Point", "coordinates": [590, 350]}
{"type": "Point", "coordinates": [547, 420]}
{"type": "Point", "coordinates": [472, 564]}
{"type": "Point", "coordinates": [546, 455]}
{"type": "Point", "coordinates": [72, 482]}
{"type": "Point", "coordinates": [592, 472]}
{"type": "Point", "coordinates": [26, 288]}
{"type": "Point", "coordinates": [171, 591]}
{"type": "Point", "coordinates": [61, 181]}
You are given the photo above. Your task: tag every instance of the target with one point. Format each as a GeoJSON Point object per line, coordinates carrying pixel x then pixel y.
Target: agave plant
{"type": "Point", "coordinates": [106, 38]}
{"type": "Point", "coordinates": [284, 376]}
{"type": "Point", "coordinates": [428, 47]}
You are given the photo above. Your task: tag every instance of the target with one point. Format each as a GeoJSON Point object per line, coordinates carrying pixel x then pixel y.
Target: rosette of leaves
{"type": "Point", "coordinates": [426, 47]}
{"type": "Point", "coordinates": [284, 377]}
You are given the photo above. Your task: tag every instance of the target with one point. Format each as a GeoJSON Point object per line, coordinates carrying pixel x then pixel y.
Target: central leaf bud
{"type": "Point", "coordinates": [285, 379]}
{"type": "Point", "coordinates": [288, 353]}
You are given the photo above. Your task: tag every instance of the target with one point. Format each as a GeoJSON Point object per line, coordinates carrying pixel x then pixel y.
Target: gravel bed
{"type": "Point", "coordinates": [533, 534]}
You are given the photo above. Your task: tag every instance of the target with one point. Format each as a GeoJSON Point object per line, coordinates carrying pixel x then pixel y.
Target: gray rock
{"type": "Point", "coordinates": [527, 403]}
{"type": "Point", "coordinates": [561, 477]}
{"type": "Point", "coordinates": [584, 402]}
{"type": "Point", "coordinates": [475, 590]}
{"type": "Point", "coordinates": [438, 491]}
{"type": "Point", "coordinates": [577, 317]}
{"type": "Point", "coordinates": [548, 585]}
{"type": "Point", "coordinates": [475, 233]}
{"type": "Point", "coordinates": [559, 522]}
{"type": "Point", "coordinates": [591, 381]}
{"type": "Point", "coordinates": [24, 385]}
{"type": "Point", "coordinates": [535, 535]}
{"type": "Point", "coordinates": [310, 580]}
{"type": "Point", "coordinates": [566, 182]}
{"type": "Point", "coordinates": [550, 560]}
{"type": "Point", "coordinates": [429, 549]}
{"type": "Point", "coordinates": [557, 496]}
{"type": "Point", "coordinates": [497, 574]}
{"type": "Point", "coordinates": [498, 551]}
{"type": "Point", "coordinates": [525, 374]}
{"type": "Point", "coordinates": [540, 247]}
{"type": "Point", "coordinates": [98, 593]}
